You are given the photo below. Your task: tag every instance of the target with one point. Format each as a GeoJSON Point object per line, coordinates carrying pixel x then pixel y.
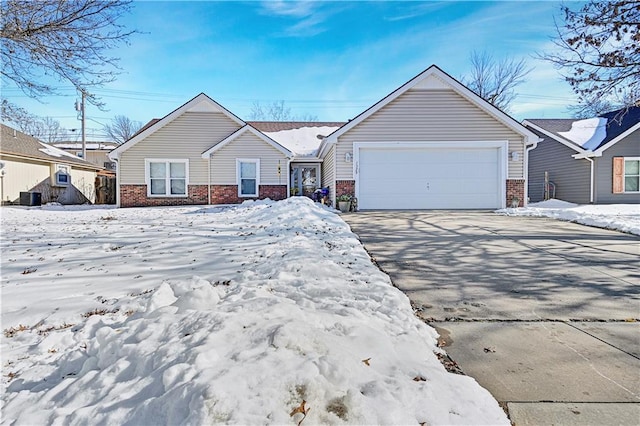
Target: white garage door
{"type": "Point", "coordinates": [429, 178]}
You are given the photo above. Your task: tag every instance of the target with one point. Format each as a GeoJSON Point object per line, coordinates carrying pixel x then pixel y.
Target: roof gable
{"type": "Point", "coordinates": [433, 78]}
{"type": "Point", "coordinates": [200, 103]}
{"type": "Point", "coordinates": [241, 131]}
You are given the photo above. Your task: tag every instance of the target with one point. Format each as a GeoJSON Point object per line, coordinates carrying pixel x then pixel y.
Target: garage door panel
{"type": "Point", "coordinates": [429, 178]}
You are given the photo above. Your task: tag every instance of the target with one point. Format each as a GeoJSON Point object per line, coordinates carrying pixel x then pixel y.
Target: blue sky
{"type": "Point", "coordinates": [328, 59]}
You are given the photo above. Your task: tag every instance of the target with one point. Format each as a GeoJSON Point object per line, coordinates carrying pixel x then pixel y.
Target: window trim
{"type": "Point", "coordinates": [167, 161]}
{"type": "Point", "coordinates": [624, 174]}
{"type": "Point", "coordinates": [239, 161]}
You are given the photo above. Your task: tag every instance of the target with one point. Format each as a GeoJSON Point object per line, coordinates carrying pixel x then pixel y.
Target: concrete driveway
{"type": "Point", "coordinates": [542, 313]}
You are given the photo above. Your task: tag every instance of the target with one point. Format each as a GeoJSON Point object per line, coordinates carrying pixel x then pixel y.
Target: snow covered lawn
{"type": "Point", "coordinates": [260, 314]}
{"type": "Point", "coordinates": [619, 217]}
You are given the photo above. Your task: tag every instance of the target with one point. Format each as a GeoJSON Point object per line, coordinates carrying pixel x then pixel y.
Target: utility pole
{"type": "Point", "coordinates": [80, 109]}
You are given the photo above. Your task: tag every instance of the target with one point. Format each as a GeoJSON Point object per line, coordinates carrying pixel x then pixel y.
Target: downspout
{"type": "Point", "coordinates": [288, 176]}
{"type": "Point", "coordinates": [117, 160]}
{"type": "Point", "coordinates": [527, 149]}
{"type": "Point", "coordinates": [209, 181]}
{"type": "Point", "coordinates": [590, 160]}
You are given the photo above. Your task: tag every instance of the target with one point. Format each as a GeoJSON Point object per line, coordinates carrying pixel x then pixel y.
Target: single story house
{"type": "Point", "coordinates": [430, 144]}
{"type": "Point", "coordinates": [97, 152]}
{"type": "Point", "coordinates": [596, 160]}
{"type": "Point", "coordinates": [30, 165]}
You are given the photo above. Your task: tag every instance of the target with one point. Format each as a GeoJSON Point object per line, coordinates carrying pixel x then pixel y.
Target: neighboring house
{"type": "Point", "coordinates": [97, 152]}
{"type": "Point", "coordinates": [587, 161]}
{"type": "Point", "coordinates": [30, 165]}
{"type": "Point", "coordinates": [431, 144]}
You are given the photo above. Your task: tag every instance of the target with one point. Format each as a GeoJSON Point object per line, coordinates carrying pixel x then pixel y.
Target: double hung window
{"type": "Point", "coordinates": [167, 178]}
{"type": "Point", "coordinates": [248, 177]}
{"type": "Point", "coordinates": [632, 174]}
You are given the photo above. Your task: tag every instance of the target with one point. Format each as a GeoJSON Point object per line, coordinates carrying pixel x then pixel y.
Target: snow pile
{"type": "Point", "coordinates": [619, 217]}
{"type": "Point", "coordinates": [264, 313]}
{"type": "Point", "coordinates": [587, 133]}
{"type": "Point", "coordinates": [303, 141]}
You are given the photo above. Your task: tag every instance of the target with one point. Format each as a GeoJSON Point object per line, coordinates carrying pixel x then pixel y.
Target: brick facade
{"type": "Point", "coordinates": [515, 188]}
{"type": "Point", "coordinates": [345, 187]}
{"type": "Point", "coordinates": [228, 194]}
{"type": "Point", "coordinates": [136, 196]}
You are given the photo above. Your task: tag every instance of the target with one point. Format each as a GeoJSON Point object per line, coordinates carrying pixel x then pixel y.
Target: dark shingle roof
{"type": "Point", "coordinates": [277, 126]}
{"type": "Point", "coordinates": [618, 122]}
{"type": "Point", "coordinates": [17, 143]}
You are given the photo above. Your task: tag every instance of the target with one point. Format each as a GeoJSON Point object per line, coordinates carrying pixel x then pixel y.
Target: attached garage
{"type": "Point", "coordinates": [430, 175]}
{"type": "Point", "coordinates": [430, 144]}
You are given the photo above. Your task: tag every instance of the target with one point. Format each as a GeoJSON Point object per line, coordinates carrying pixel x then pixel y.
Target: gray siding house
{"type": "Point", "coordinates": [587, 161]}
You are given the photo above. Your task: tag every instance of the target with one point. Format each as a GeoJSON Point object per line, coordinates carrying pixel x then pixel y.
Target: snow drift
{"type": "Point", "coordinates": [271, 312]}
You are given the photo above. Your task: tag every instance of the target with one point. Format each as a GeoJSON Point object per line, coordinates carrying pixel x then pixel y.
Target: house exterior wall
{"type": "Point", "coordinates": [23, 175]}
{"type": "Point", "coordinates": [95, 156]}
{"type": "Point", "coordinates": [85, 182]}
{"type": "Point", "coordinates": [328, 172]}
{"type": "Point", "coordinates": [273, 164]}
{"type": "Point", "coordinates": [429, 115]}
{"type": "Point", "coordinates": [570, 176]}
{"type": "Point", "coordinates": [628, 147]}
{"type": "Point", "coordinates": [136, 196]}
{"type": "Point", "coordinates": [188, 136]}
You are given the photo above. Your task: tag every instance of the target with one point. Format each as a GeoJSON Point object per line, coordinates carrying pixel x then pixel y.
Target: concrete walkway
{"type": "Point", "coordinates": [542, 313]}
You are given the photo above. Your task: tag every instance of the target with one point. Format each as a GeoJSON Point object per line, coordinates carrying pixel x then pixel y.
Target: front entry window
{"type": "Point", "coordinates": [304, 179]}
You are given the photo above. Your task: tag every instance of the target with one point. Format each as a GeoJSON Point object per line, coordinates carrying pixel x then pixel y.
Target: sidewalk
{"type": "Point", "coordinates": [553, 372]}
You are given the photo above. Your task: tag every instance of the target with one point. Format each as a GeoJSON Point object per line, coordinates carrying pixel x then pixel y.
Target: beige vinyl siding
{"type": "Point", "coordinates": [329, 170]}
{"type": "Point", "coordinates": [22, 176]}
{"type": "Point", "coordinates": [85, 182]}
{"type": "Point", "coordinates": [188, 136]}
{"type": "Point", "coordinates": [248, 146]}
{"type": "Point", "coordinates": [420, 115]}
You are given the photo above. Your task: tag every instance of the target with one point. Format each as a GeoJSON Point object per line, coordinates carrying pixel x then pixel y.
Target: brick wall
{"type": "Point", "coordinates": [347, 187]}
{"type": "Point", "coordinates": [136, 196]}
{"type": "Point", "coordinates": [515, 188]}
{"type": "Point", "coordinates": [228, 194]}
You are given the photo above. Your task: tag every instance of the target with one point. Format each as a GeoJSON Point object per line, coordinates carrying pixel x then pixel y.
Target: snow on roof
{"type": "Point", "coordinates": [55, 152]}
{"type": "Point", "coordinates": [588, 133]}
{"type": "Point", "coordinates": [89, 145]}
{"type": "Point", "coordinates": [303, 141]}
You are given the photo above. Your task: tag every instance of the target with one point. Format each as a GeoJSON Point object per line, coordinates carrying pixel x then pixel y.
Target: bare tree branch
{"type": "Point", "coordinates": [599, 53]}
{"type": "Point", "coordinates": [122, 128]}
{"type": "Point", "coordinates": [277, 111]}
{"type": "Point", "coordinates": [495, 81]}
{"type": "Point", "coordinates": [67, 39]}
{"type": "Point", "coordinates": [46, 129]}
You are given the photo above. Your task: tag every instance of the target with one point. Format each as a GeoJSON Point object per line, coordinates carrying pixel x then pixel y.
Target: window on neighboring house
{"type": "Point", "coordinates": [632, 174]}
{"type": "Point", "coordinates": [248, 176]}
{"type": "Point", "coordinates": [167, 178]}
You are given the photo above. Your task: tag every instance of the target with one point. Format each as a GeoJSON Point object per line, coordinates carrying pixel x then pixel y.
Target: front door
{"type": "Point", "coordinates": [304, 179]}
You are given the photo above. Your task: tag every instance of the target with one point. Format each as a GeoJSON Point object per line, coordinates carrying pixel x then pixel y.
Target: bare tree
{"type": "Point", "coordinates": [495, 80]}
{"type": "Point", "coordinates": [68, 39]}
{"type": "Point", "coordinates": [277, 111]}
{"type": "Point", "coordinates": [600, 51]}
{"type": "Point", "coordinates": [122, 128]}
{"type": "Point", "coordinates": [46, 129]}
